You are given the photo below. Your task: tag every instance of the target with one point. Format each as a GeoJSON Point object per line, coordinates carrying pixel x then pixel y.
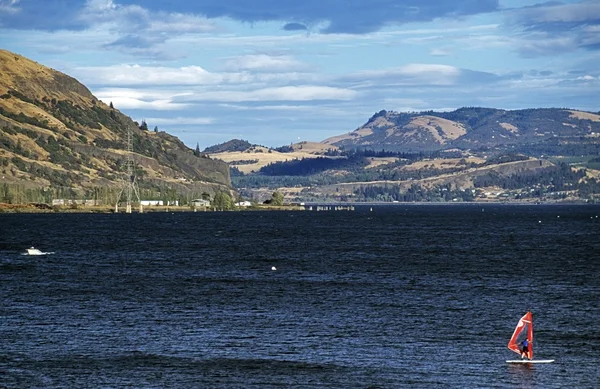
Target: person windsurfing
{"type": "Point", "coordinates": [525, 349]}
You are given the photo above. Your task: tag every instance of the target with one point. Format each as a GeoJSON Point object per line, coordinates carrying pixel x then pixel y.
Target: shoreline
{"type": "Point", "coordinates": [45, 208]}
{"type": "Point", "coordinates": [39, 208]}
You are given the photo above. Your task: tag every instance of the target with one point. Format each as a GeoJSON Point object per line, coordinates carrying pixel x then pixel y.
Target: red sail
{"type": "Point", "coordinates": [526, 322]}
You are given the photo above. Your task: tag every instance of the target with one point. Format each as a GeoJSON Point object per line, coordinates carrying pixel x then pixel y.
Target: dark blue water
{"type": "Point", "coordinates": [403, 296]}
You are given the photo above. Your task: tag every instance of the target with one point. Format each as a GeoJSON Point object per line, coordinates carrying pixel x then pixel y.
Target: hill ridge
{"type": "Point", "coordinates": [466, 128]}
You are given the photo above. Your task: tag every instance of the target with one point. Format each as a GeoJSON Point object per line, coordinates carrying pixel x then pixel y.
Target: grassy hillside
{"type": "Point", "coordinates": [253, 158]}
{"type": "Point", "coordinates": [56, 136]}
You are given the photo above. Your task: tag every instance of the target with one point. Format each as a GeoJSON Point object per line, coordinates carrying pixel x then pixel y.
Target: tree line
{"type": "Point", "coordinates": [13, 193]}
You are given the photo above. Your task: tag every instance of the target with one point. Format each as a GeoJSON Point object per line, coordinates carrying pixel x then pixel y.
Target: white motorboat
{"type": "Point", "coordinates": [33, 251]}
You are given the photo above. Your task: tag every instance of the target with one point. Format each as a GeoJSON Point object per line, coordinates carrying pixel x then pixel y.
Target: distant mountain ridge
{"type": "Point", "coordinates": [55, 134]}
{"type": "Point", "coordinates": [470, 154]}
{"type": "Point", "coordinates": [467, 128]}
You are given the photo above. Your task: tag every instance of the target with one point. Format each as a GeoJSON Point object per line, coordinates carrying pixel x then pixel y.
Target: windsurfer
{"type": "Point", "coordinates": [525, 349]}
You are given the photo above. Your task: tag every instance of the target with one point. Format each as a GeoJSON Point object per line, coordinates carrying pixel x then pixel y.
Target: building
{"type": "Point", "coordinates": [151, 202]}
{"type": "Point", "coordinates": [159, 202]}
{"type": "Point", "coordinates": [86, 203]}
{"type": "Point", "coordinates": [200, 203]}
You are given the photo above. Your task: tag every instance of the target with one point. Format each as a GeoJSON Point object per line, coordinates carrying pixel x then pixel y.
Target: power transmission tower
{"type": "Point", "coordinates": [129, 183]}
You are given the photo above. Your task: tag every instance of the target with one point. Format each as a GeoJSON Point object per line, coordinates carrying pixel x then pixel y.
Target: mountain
{"type": "Point", "coordinates": [56, 135]}
{"type": "Point", "coordinates": [472, 128]}
{"type": "Point", "coordinates": [470, 154]}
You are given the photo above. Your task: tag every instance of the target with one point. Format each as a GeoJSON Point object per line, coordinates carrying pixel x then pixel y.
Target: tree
{"type": "Point", "coordinates": [7, 196]}
{"type": "Point", "coordinates": [205, 196]}
{"type": "Point", "coordinates": [277, 198]}
{"type": "Point", "coordinates": [197, 151]}
{"type": "Point", "coordinates": [144, 126]}
{"type": "Point", "coordinates": [155, 128]}
{"type": "Point", "coordinates": [222, 201]}
{"type": "Point", "coordinates": [111, 105]}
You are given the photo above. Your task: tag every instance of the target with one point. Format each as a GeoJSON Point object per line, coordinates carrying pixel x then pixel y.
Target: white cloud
{"type": "Point", "coordinates": [552, 28]}
{"type": "Point", "coordinates": [539, 44]}
{"type": "Point", "coordinates": [418, 69]}
{"type": "Point", "coordinates": [97, 12]}
{"type": "Point", "coordinates": [142, 75]}
{"type": "Point", "coordinates": [264, 62]}
{"type": "Point", "coordinates": [121, 102]}
{"type": "Point", "coordinates": [181, 23]}
{"type": "Point", "coordinates": [411, 74]}
{"type": "Point", "coordinates": [138, 75]}
{"type": "Point", "coordinates": [180, 121]}
{"type": "Point", "coordinates": [9, 6]}
{"type": "Point", "coordinates": [134, 19]}
{"type": "Point", "coordinates": [561, 13]}
{"type": "Point", "coordinates": [438, 52]}
{"type": "Point", "coordinates": [285, 93]}
{"type": "Point", "coordinates": [165, 99]}
{"type": "Point", "coordinates": [139, 99]}
{"type": "Point", "coordinates": [269, 107]}
{"type": "Point", "coordinates": [100, 5]}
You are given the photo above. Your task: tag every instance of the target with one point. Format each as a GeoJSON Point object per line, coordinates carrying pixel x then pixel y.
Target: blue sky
{"type": "Point", "coordinates": [275, 72]}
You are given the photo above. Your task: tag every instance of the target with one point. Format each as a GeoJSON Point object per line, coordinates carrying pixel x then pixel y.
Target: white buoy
{"type": "Point", "coordinates": [273, 268]}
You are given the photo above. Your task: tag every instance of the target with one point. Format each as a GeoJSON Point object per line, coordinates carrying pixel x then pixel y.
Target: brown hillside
{"type": "Point", "coordinates": [55, 134]}
{"type": "Point", "coordinates": [313, 147]}
{"type": "Point", "coordinates": [255, 157]}
{"type": "Point", "coordinates": [37, 81]}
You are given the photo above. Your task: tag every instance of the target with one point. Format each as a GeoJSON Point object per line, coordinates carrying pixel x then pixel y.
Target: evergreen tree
{"type": "Point", "coordinates": [155, 128]}
{"type": "Point", "coordinates": [144, 126]}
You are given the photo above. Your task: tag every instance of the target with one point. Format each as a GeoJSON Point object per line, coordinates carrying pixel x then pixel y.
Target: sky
{"type": "Point", "coordinates": [275, 72]}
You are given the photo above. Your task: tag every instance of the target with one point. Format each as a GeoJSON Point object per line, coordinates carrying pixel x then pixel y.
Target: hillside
{"type": "Point", "coordinates": [253, 157]}
{"type": "Point", "coordinates": [229, 146]}
{"type": "Point", "coordinates": [55, 135]}
{"type": "Point", "coordinates": [453, 176]}
{"type": "Point", "coordinates": [471, 154]}
{"type": "Point", "coordinates": [528, 130]}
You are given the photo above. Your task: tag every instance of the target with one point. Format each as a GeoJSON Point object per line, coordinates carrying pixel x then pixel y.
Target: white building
{"type": "Point", "coordinates": [200, 203]}
{"type": "Point", "coordinates": [151, 202]}
{"type": "Point", "coordinates": [159, 202]}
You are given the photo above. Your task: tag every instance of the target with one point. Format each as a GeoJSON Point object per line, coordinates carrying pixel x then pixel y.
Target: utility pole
{"type": "Point", "coordinates": [129, 183]}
